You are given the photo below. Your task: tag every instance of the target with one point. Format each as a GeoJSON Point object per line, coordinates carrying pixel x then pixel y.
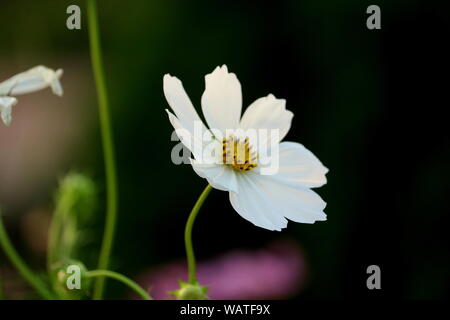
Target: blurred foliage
{"type": "Point", "coordinates": [75, 202]}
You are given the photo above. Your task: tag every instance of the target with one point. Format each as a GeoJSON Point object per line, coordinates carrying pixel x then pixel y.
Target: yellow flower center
{"type": "Point", "coordinates": [238, 154]}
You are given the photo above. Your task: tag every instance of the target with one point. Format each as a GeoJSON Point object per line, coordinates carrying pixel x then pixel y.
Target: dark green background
{"type": "Point", "coordinates": [369, 103]}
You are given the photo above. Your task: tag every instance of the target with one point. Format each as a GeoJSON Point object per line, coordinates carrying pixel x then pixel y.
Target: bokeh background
{"type": "Point", "coordinates": [371, 104]}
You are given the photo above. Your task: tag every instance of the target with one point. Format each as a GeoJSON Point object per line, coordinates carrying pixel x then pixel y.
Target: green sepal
{"type": "Point", "coordinates": [190, 291]}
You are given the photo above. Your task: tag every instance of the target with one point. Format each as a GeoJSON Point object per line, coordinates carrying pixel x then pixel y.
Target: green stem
{"type": "Point", "coordinates": [55, 233]}
{"type": "Point", "coordinates": [188, 234]}
{"type": "Point", "coordinates": [54, 237]}
{"type": "Point", "coordinates": [20, 265]}
{"type": "Point", "coordinates": [117, 276]}
{"type": "Point", "coordinates": [108, 146]}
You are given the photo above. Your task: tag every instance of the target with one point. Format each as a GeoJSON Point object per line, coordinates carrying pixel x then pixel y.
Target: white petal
{"type": "Point", "coordinates": [267, 202]}
{"type": "Point", "coordinates": [181, 104]}
{"type": "Point", "coordinates": [219, 176]}
{"type": "Point", "coordinates": [222, 99]}
{"type": "Point", "coordinates": [268, 113]}
{"type": "Point", "coordinates": [299, 167]}
{"type": "Point", "coordinates": [253, 205]}
{"type": "Point", "coordinates": [6, 104]}
{"type": "Point", "coordinates": [186, 137]}
{"type": "Point", "coordinates": [35, 79]}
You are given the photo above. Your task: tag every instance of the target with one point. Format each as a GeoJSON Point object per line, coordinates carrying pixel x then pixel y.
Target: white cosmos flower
{"type": "Point", "coordinates": [35, 79]}
{"type": "Point", "coordinates": [266, 200]}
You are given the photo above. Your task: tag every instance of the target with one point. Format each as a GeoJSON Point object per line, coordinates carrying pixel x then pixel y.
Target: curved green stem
{"type": "Point", "coordinates": [108, 146]}
{"type": "Point", "coordinates": [188, 234]}
{"type": "Point", "coordinates": [20, 265]}
{"type": "Point", "coordinates": [119, 277]}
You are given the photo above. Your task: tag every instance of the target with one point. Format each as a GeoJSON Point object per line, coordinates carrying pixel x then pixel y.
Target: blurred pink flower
{"type": "Point", "coordinates": [274, 272]}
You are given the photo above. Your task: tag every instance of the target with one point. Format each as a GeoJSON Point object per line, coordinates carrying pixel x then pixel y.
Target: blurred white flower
{"type": "Point", "coordinates": [6, 104]}
{"type": "Point", "coordinates": [266, 200]}
{"type": "Point", "coordinates": [35, 79]}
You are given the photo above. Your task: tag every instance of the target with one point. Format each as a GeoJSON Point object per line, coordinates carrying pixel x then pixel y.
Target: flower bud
{"type": "Point", "coordinates": [189, 291]}
{"type": "Point", "coordinates": [74, 207]}
{"type": "Point", "coordinates": [76, 196]}
{"type": "Point", "coordinates": [69, 280]}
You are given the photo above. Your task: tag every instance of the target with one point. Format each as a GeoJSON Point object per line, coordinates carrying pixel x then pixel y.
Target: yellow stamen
{"type": "Point", "coordinates": [238, 154]}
